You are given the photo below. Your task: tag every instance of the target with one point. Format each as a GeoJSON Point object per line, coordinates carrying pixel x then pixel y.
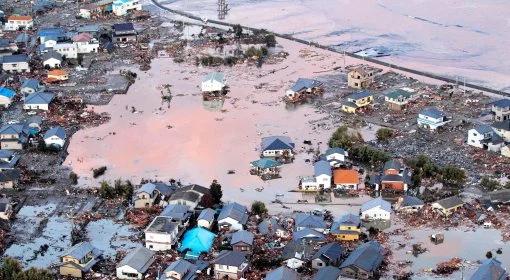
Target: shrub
{"type": "Point", "coordinates": [384, 134]}
{"type": "Point", "coordinates": [344, 139]}
{"type": "Point", "coordinates": [99, 171]}
{"type": "Point", "coordinates": [258, 208]}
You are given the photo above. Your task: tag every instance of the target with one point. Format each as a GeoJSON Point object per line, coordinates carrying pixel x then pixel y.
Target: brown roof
{"type": "Point", "coordinates": [16, 17]}
{"type": "Point", "coordinates": [345, 176]}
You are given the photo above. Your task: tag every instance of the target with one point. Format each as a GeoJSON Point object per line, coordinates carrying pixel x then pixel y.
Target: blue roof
{"type": "Point", "coordinates": [327, 273]}
{"type": "Point", "coordinates": [490, 270]}
{"type": "Point", "coordinates": [39, 98]}
{"type": "Point", "coordinates": [332, 251]}
{"type": "Point", "coordinates": [198, 240]}
{"type": "Point", "coordinates": [207, 214]}
{"type": "Point", "coordinates": [265, 163]}
{"type": "Point", "coordinates": [55, 131]}
{"type": "Point", "coordinates": [336, 150]}
{"type": "Point", "coordinates": [309, 234]}
{"type": "Point", "coordinates": [55, 32]}
{"type": "Point", "coordinates": [411, 201]}
{"type": "Point", "coordinates": [147, 188]}
{"type": "Point", "coordinates": [349, 219]}
{"type": "Point", "coordinates": [309, 221]}
{"type": "Point", "coordinates": [31, 83]}
{"type": "Point", "coordinates": [502, 103]}
{"type": "Point", "coordinates": [367, 256]}
{"type": "Point", "coordinates": [243, 236]}
{"type": "Point", "coordinates": [359, 95]}
{"type": "Point", "coordinates": [376, 202]}
{"type": "Point", "coordinates": [15, 58]}
{"type": "Point", "coordinates": [432, 112]}
{"type": "Point", "coordinates": [282, 273]}
{"type": "Point", "coordinates": [302, 84]}
{"type": "Point", "coordinates": [322, 167]}
{"type": "Point", "coordinates": [276, 143]}
{"type": "Point", "coordinates": [483, 129]}
{"type": "Point", "coordinates": [7, 92]}
{"type": "Point", "coordinates": [235, 211]}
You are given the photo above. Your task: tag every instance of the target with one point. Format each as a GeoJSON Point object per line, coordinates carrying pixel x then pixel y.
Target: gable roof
{"type": "Point", "coordinates": [450, 202]}
{"type": "Point", "coordinates": [15, 58]}
{"type": "Point", "coordinates": [503, 125]}
{"type": "Point", "coordinates": [195, 188]}
{"type": "Point", "coordinates": [490, 270]}
{"type": "Point", "coordinates": [303, 83]}
{"type": "Point", "coordinates": [182, 267]}
{"type": "Point", "coordinates": [230, 258]}
{"type": "Point", "coordinates": [335, 150]}
{"type": "Point", "coordinates": [31, 83]}
{"type": "Point", "coordinates": [322, 167]}
{"type": "Point", "coordinates": [376, 202]}
{"type": "Point", "coordinates": [395, 94]}
{"type": "Point", "coordinates": [290, 249]}
{"type": "Point", "coordinates": [139, 259]}
{"type": "Point", "coordinates": [483, 129]}
{"type": "Point", "coordinates": [359, 95]}
{"type": "Point", "coordinates": [327, 273]}
{"type": "Point", "coordinates": [17, 128]}
{"type": "Point", "coordinates": [265, 163]}
{"type": "Point", "coordinates": [7, 92]}
{"type": "Point", "coordinates": [243, 236]}
{"type": "Point", "coordinates": [345, 176]}
{"type": "Point", "coordinates": [81, 249]}
{"type": "Point", "coordinates": [146, 188]}
{"type": "Point", "coordinates": [349, 219]}
{"type": "Point", "coordinates": [367, 256]}
{"type": "Point", "coordinates": [39, 98]}
{"type": "Point", "coordinates": [433, 112]}
{"type": "Point", "coordinates": [268, 226]}
{"type": "Point", "coordinates": [309, 221]}
{"type": "Point", "coordinates": [309, 234]}
{"type": "Point", "coordinates": [332, 252]}
{"type": "Point", "coordinates": [207, 215]}
{"type": "Point", "coordinates": [123, 27]}
{"type": "Point", "coordinates": [411, 201]}
{"type": "Point", "coordinates": [502, 103]}
{"type": "Point", "coordinates": [235, 211]}
{"type": "Point", "coordinates": [276, 143]}
{"type": "Point", "coordinates": [51, 54]}
{"type": "Point", "coordinates": [392, 164]}
{"type": "Point", "coordinates": [282, 273]}
{"type": "Point", "coordinates": [215, 76]}
{"type": "Point", "coordinates": [55, 131]}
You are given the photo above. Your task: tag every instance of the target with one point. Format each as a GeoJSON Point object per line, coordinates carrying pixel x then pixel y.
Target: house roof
{"type": "Point", "coordinates": [4, 202]}
{"type": "Point", "coordinates": [51, 32]}
{"type": "Point", "coordinates": [39, 98]}
{"type": "Point", "coordinates": [82, 37]}
{"type": "Point", "coordinates": [235, 211]}
{"type": "Point", "coordinates": [9, 175]}
{"type": "Point", "coordinates": [367, 256]}
{"type": "Point", "coordinates": [123, 27]}
{"type": "Point", "coordinates": [327, 273]}
{"type": "Point", "coordinates": [411, 201]}
{"type": "Point", "coordinates": [332, 251]}
{"type": "Point", "coordinates": [31, 83]}
{"type": "Point", "coordinates": [450, 202]}
{"type": "Point", "coordinates": [433, 112]}
{"type": "Point", "coordinates": [490, 270]}
{"type": "Point", "coordinates": [16, 128]}
{"type": "Point", "coordinates": [309, 221]}
{"type": "Point", "coordinates": [335, 150]}
{"type": "Point", "coordinates": [349, 219]}
{"type": "Point", "coordinates": [82, 249]}
{"type": "Point", "coordinates": [242, 236]}
{"type": "Point", "coordinates": [359, 95]}
{"type": "Point", "coordinates": [269, 225]}
{"type": "Point", "coordinates": [503, 125]}
{"type": "Point", "coordinates": [397, 93]}
{"type": "Point", "coordinates": [198, 240]}
{"type": "Point", "coordinates": [51, 54]}
{"type": "Point", "coordinates": [322, 167]}
{"type": "Point", "coordinates": [195, 188]}
{"type": "Point", "coordinates": [308, 233]}
{"type": "Point", "coordinates": [502, 103]}
{"type": "Point", "coordinates": [15, 58]}
{"type": "Point", "coordinates": [215, 76]}
{"type": "Point", "coordinates": [230, 258]}
{"type": "Point", "coordinates": [146, 188]}
{"type": "Point", "coordinates": [290, 249]}
{"type": "Point", "coordinates": [282, 273]}
{"type": "Point", "coordinates": [57, 72]}
{"type": "Point", "coordinates": [207, 215]}
{"type": "Point", "coordinates": [502, 196]}
{"type": "Point", "coordinates": [182, 267]}
{"type": "Point", "coordinates": [6, 153]}
{"type": "Point", "coordinates": [276, 143]}
{"type": "Point", "coordinates": [392, 164]}
{"type": "Point", "coordinates": [19, 17]}
{"type": "Point", "coordinates": [7, 92]}
{"type": "Point", "coordinates": [139, 259]}
{"type": "Point", "coordinates": [164, 189]}
{"type": "Point", "coordinates": [176, 211]}
{"type": "Point", "coordinates": [376, 202]}
{"type": "Point", "coordinates": [188, 196]}
{"type": "Point", "coordinates": [265, 163]}
{"type": "Point", "coordinates": [392, 178]}
{"type": "Point", "coordinates": [55, 131]}
{"type": "Point", "coordinates": [162, 224]}
{"type": "Point", "coordinates": [345, 176]}
{"type": "Point", "coordinates": [302, 84]}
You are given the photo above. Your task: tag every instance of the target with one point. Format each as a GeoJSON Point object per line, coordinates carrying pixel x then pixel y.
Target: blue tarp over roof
{"type": "Point", "coordinates": [265, 163]}
{"type": "Point", "coordinates": [197, 240]}
{"type": "Point", "coordinates": [7, 92]}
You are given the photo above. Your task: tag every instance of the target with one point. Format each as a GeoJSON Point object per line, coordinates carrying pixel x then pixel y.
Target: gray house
{"type": "Point", "coordinates": [328, 254]}
{"type": "Point", "coordinates": [135, 264]}
{"type": "Point", "coordinates": [364, 261]}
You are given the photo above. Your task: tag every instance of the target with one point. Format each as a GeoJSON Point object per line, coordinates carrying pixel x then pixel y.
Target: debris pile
{"type": "Point", "coordinates": [448, 267]}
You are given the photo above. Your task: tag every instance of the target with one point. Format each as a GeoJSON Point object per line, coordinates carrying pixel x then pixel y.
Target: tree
{"type": "Point", "coordinates": [11, 269]}
{"type": "Point", "coordinates": [489, 184]}
{"type": "Point", "coordinates": [344, 139]}
{"type": "Point", "coordinates": [73, 177]}
{"type": "Point", "coordinates": [106, 191]}
{"type": "Point", "coordinates": [207, 201]}
{"type": "Point", "coordinates": [384, 134]}
{"type": "Point", "coordinates": [270, 40]}
{"type": "Point", "coordinates": [238, 30]}
{"type": "Point", "coordinates": [453, 175]}
{"type": "Point", "coordinates": [216, 192]}
{"type": "Point", "coordinates": [258, 208]}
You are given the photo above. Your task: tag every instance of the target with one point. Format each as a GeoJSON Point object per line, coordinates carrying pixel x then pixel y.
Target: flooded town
{"type": "Point", "coordinates": [166, 140]}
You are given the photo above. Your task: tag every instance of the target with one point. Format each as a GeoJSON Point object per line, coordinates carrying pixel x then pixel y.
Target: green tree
{"type": "Point", "coordinates": [369, 155]}
{"type": "Point", "coordinates": [344, 139]}
{"type": "Point", "coordinates": [216, 192]}
{"type": "Point", "coordinates": [384, 134]}
{"type": "Point", "coordinates": [270, 40]}
{"type": "Point", "coordinates": [489, 184]}
{"type": "Point", "coordinates": [106, 191]}
{"type": "Point", "coordinates": [453, 175]}
{"type": "Point", "coordinates": [238, 30]}
{"type": "Point", "coordinates": [10, 267]}
{"type": "Point", "coordinates": [258, 208]}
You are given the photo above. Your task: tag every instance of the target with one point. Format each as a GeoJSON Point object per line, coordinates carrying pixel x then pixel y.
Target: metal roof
{"type": "Point", "coordinates": [207, 215]}
{"type": "Point", "coordinates": [376, 202]}
{"type": "Point", "coordinates": [450, 202]}
{"type": "Point", "coordinates": [303, 84]}
{"type": "Point", "coordinates": [243, 236]}
{"type": "Point", "coordinates": [81, 249]}
{"type": "Point", "coordinates": [235, 211]}
{"type": "Point", "coordinates": [139, 259]}
{"type": "Point", "coordinates": [327, 273]}
{"type": "Point", "coordinates": [433, 112]}
{"type": "Point", "coordinates": [276, 143]}
{"type": "Point", "coordinates": [490, 270]}
{"type": "Point", "coordinates": [230, 258]}
{"type": "Point", "coordinates": [309, 221]}
{"type": "Point", "coordinates": [367, 256]}
{"type": "Point", "coordinates": [265, 163]}
{"type": "Point", "coordinates": [359, 95]}
{"type": "Point", "coordinates": [55, 131]}
{"type": "Point", "coordinates": [332, 251]}
{"type": "Point", "coordinates": [15, 58]}
{"type": "Point", "coordinates": [322, 167]}
{"type": "Point", "coordinates": [282, 273]}
{"type": "Point", "coordinates": [308, 233]}
{"type": "Point", "coordinates": [39, 98]}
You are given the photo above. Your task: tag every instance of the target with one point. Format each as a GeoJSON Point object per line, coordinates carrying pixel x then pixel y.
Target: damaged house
{"type": "Point", "coordinates": [484, 137]}
{"type": "Point", "coordinates": [79, 259]}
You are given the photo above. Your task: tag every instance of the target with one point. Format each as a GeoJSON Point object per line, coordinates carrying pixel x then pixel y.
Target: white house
{"type": "Point", "coordinates": [55, 137]}
{"type": "Point", "coordinates": [67, 50]}
{"type": "Point", "coordinates": [15, 63]}
{"type": "Point", "coordinates": [432, 118]}
{"type": "Point", "coordinates": [484, 137]}
{"type": "Point", "coordinates": [335, 156]}
{"type": "Point", "coordinates": [135, 264]}
{"type": "Point", "coordinates": [277, 146]}
{"type": "Point", "coordinates": [230, 265]}
{"type": "Point", "coordinates": [17, 22]}
{"type": "Point", "coordinates": [52, 59]}
{"type": "Point", "coordinates": [122, 7]}
{"type": "Point", "coordinates": [38, 101]}
{"type": "Point", "coordinates": [6, 96]}
{"type": "Point", "coordinates": [233, 216]}
{"type": "Point", "coordinates": [213, 82]}
{"type": "Point", "coordinates": [161, 234]}
{"type": "Point", "coordinates": [206, 218]}
{"type": "Point", "coordinates": [179, 270]}
{"type": "Point", "coordinates": [30, 86]}
{"type": "Point", "coordinates": [322, 171]}
{"type": "Point", "coordinates": [86, 43]}
{"type": "Point", "coordinates": [294, 254]}
{"type": "Point", "coordinates": [376, 209]}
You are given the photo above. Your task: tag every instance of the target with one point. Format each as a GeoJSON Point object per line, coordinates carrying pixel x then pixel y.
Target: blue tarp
{"type": "Point", "coordinates": [197, 240]}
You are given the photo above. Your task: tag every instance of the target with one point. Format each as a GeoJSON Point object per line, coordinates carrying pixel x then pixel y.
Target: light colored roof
{"type": "Point", "coordinates": [282, 273]}
{"type": "Point", "coordinates": [81, 249]}
{"type": "Point", "coordinates": [139, 259]}
{"type": "Point", "coordinates": [243, 236]}
{"type": "Point", "coordinates": [450, 202]}
{"type": "Point", "coordinates": [162, 225]}
{"type": "Point", "coordinates": [207, 215]}
{"type": "Point", "coordinates": [230, 258]}
{"type": "Point", "coordinates": [433, 112]}
{"type": "Point", "coordinates": [367, 256]}
{"type": "Point", "coordinates": [376, 202]}
{"type": "Point", "coordinates": [235, 211]}
{"type": "Point", "coordinates": [335, 150]}
{"type": "Point", "coordinates": [215, 76]}
{"type": "Point", "coordinates": [490, 270]}
{"type": "Point", "coordinates": [55, 131]}
{"type": "Point", "coordinates": [302, 84]}
{"type": "Point", "coordinates": [345, 176]}
{"type": "Point", "coordinates": [309, 221]}
{"type": "Point", "coordinates": [322, 167]}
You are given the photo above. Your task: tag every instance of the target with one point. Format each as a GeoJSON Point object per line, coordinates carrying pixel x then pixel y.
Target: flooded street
{"type": "Point", "coordinates": [196, 141]}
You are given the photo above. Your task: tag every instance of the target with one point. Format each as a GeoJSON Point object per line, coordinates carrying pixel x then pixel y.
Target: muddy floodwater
{"type": "Point", "coordinates": [196, 141]}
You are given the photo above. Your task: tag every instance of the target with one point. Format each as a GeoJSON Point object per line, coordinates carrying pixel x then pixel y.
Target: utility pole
{"type": "Point", "coordinates": [222, 9]}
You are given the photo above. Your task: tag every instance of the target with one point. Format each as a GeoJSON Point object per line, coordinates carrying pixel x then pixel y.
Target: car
{"type": "Point", "coordinates": [302, 201]}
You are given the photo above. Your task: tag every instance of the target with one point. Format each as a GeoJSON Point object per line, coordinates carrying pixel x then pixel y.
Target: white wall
{"type": "Point", "coordinates": [54, 140]}
{"type": "Point", "coordinates": [324, 180]}
{"type": "Point", "coordinates": [127, 269]}
{"type": "Point", "coordinates": [208, 86]}
{"type": "Point", "coordinates": [234, 225]}
{"type": "Point", "coordinates": [43, 107]}
{"type": "Point", "coordinates": [376, 214]}
{"type": "Point", "coordinates": [16, 67]}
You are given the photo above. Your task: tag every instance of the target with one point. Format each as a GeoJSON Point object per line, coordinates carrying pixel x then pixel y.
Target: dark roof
{"type": "Point", "coordinates": [282, 273]}
{"type": "Point", "coordinates": [39, 98]}
{"type": "Point", "coordinates": [308, 234]}
{"type": "Point", "coordinates": [269, 226]}
{"type": "Point", "coordinates": [411, 201]}
{"type": "Point", "coordinates": [290, 249]}
{"type": "Point", "coordinates": [502, 103]}
{"type": "Point", "coordinates": [303, 84]}
{"type": "Point", "coordinates": [359, 95]}
{"type": "Point", "coordinates": [188, 196]}
{"type": "Point", "coordinates": [331, 252]}
{"type": "Point", "coordinates": [16, 58]}
{"type": "Point", "coordinates": [81, 249]}
{"type": "Point", "coordinates": [186, 269]}
{"type": "Point", "coordinates": [349, 219]}
{"type": "Point", "coordinates": [55, 131]}
{"type": "Point", "coordinates": [230, 258]}
{"type": "Point", "coordinates": [503, 125]}
{"type": "Point", "coordinates": [51, 54]}
{"type": "Point", "coordinates": [392, 164]}
{"type": "Point", "coordinates": [242, 236]}
{"type": "Point", "coordinates": [139, 259]}
{"type": "Point", "coordinates": [162, 225]}
{"type": "Point", "coordinates": [367, 256]}
{"type": "Point", "coordinates": [309, 221]}
{"type": "Point", "coordinates": [502, 196]}
{"type": "Point", "coordinates": [322, 167]}
{"type": "Point", "coordinates": [124, 28]}
{"type": "Point", "coordinates": [392, 178]}
{"type": "Point", "coordinates": [9, 175]}
{"type": "Point", "coordinates": [196, 188]}
{"type": "Point", "coordinates": [450, 202]}
{"type": "Point", "coordinates": [207, 214]}
{"type": "Point", "coordinates": [235, 211]}
{"type": "Point", "coordinates": [276, 143]}
{"type": "Point", "coordinates": [327, 273]}
{"type": "Point", "coordinates": [490, 270]}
